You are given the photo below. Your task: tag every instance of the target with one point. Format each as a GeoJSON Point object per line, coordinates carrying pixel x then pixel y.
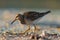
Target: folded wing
{"type": "Point", "coordinates": [34, 15]}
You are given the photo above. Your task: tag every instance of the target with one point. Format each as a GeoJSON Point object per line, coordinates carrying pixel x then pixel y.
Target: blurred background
{"type": "Point", "coordinates": [9, 9]}
{"type": "Point", "coordinates": [49, 4]}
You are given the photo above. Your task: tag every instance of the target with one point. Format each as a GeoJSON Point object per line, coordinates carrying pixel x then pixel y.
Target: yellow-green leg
{"type": "Point", "coordinates": [27, 29]}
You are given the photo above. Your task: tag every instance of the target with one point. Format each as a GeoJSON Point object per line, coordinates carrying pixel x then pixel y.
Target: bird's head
{"type": "Point", "coordinates": [18, 16]}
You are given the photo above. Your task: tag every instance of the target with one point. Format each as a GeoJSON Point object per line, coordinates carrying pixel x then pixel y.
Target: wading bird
{"type": "Point", "coordinates": [29, 17]}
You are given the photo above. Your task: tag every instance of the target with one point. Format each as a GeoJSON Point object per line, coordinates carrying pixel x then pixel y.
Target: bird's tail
{"type": "Point", "coordinates": [48, 12]}
{"type": "Point", "coordinates": [44, 13]}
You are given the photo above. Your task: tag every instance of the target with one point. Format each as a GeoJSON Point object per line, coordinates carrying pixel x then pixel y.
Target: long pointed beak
{"type": "Point", "coordinates": [13, 21]}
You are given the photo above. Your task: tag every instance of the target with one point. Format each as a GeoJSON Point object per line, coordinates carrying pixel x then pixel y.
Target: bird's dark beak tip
{"type": "Point", "coordinates": [10, 23]}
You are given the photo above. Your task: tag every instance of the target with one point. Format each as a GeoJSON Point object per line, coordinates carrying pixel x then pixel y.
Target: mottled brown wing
{"type": "Point", "coordinates": [32, 15]}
